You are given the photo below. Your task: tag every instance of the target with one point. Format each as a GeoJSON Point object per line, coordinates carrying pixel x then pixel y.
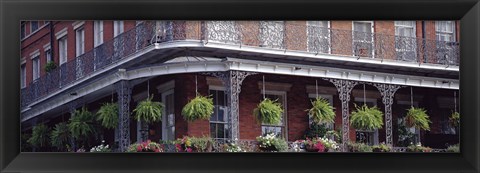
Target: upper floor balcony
{"type": "Point", "coordinates": [300, 37]}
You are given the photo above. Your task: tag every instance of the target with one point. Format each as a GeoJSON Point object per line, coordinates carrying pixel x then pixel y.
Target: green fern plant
{"type": "Point", "coordinates": [366, 118]}
{"type": "Point", "coordinates": [82, 124]}
{"type": "Point", "coordinates": [40, 136]}
{"type": "Point", "coordinates": [50, 66]}
{"type": "Point", "coordinates": [60, 135]}
{"type": "Point", "coordinates": [200, 107]}
{"type": "Point", "coordinates": [321, 111]}
{"type": "Point", "coordinates": [148, 111]}
{"type": "Point", "coordinates": [417, 118]}
{"type": "Point", "coordinates": [108, 115]}
{"type": "Point", "coordinates": [454, 119]}
{"type": "Point", "coordinates": [269, 112]}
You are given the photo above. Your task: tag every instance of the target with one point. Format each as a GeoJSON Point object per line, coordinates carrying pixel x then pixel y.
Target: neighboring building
{"type": "Point", "coordinates": [124, 61]}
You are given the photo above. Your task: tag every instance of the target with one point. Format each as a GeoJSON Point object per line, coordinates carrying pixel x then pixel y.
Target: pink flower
{"type": "Point", "coordinates": [139, 148]}
{"type": "Point", "coordinates": [157, 150]}
{"type": "Point", "coordinates": [189, 150]}
{"type": "Point", "coordinates": [179, 147]}
{"type": "Point", "coordinates": [320, 147]}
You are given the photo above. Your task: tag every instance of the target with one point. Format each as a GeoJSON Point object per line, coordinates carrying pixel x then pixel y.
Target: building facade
{"type": "Point", "coordinates": [390, 64]}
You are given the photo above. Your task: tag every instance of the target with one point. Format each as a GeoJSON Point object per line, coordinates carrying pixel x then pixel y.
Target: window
{"type": "Point", "coordinates": [363, 38]}
{"type": "Point", "coordinates": [168, 120]}
{"type": "Point", "coordinates": [80, 41]}
{"type": "Point", "coordinates": [98, 32]}
{"type": "Point", "coordinates": [405, 41]}
{"type": "Point", "coordinates": [219, 128]}
{"type": "Point", "coordinates": [33, 26]}
{"type": "Point", "coordinates": [363, 136]}
{"type": "Point", "coordinates": [117, 28]}
{"type": "Point", "coordinates": [318, 36]}
{"type": "Point", "coordinates": [36, 67]}
{"type": "Point", "coordinates": [406, 135]}
{"type": "Point", "coordinates": [272, 34]}
{"type": "Point", "coordinates": [48, 55]}
{"type": "Point", "coordinates": [445, 30]}
{"type": "Point", "coordinates": [23, 76]}
{"type": "Point", "coordinates": [23, 31]}
{"type": "Point", "coordinates": [62, 50]}
{"type": "Point", "coordinates": [280, 129]}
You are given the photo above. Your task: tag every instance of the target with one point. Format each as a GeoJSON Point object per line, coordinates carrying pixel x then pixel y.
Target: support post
{"type": "Point", "coordinates": [344, 88]}
{"type": "Point", "coordinates": [122, 132]}
{"type": "Point", "coordinates": [72, 106]}
{"type": "Point", "coordinates": [388, 92]}
{"type": "Point", "coordinates": [232, 80]}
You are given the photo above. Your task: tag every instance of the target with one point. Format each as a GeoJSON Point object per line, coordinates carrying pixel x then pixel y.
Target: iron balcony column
{"type": "Point", "coordinates": [388, 92]}
{"type": "Point", "coordinates": [122, 132]}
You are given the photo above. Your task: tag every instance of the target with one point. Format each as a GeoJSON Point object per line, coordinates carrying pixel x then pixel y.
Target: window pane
{"type": "Point", "coordinates": [213, 130]}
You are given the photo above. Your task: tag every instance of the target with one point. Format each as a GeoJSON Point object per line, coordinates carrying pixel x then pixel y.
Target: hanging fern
{"type": "Point", "coordinates": [148, 111]}
{"type": "Point", "coordinates": [108, 115]}
{"type": "Point", "coordinates": [82, 124]}
{"type": "Point", "coordinates": [455, 119]}
{"type": "Point", "coordinates": [60, 135]}
{"type": "Point", "coordinates": [418, 118]}
{"type": "Point", "coordinates": [199, 107]}
{"type": "Point", "coordinates": [366, 118]}
{"type": "Point", "coordinates": [269, 112]}
{"type": "Point", "coordinates": [40, 136]}
{"type": "Point", "coordinates": [321, 111]}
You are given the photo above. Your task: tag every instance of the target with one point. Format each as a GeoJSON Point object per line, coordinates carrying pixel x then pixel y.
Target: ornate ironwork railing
{"type": "Point", "coordinates": [295, 36]}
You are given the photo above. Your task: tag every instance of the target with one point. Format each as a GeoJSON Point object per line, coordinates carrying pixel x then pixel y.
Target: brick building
{"type": "Point", "coordinates": [390, 64]}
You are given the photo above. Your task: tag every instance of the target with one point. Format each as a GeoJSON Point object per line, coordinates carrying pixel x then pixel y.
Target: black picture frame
{"type": "Point", "coordinates": [12, 12]}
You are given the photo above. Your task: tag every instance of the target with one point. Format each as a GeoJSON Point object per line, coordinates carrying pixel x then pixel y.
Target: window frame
{"type": "Point", "coordinates": [285, 111]}
{"type": "Point", "coordinates": [23, 75]}
{"type": "Point", "coordinates": [328, 37]}
{"type": "Point", "coordinates": [79, 41]}
{"type": "Point", "coordinates": [376, 139]}
{"type": "Point", "coordinates": [408, 103]}
{"type": "Point", "coordinates": [36, 67]}
{"type": "Point", "coordinates": [23, 31]}
{"type": "Point", "coordinates": [98, 33]}
{"type": "Point", "coordinates": [227, 118]}
{"type": "Point", "coordinates": [31, 26]}
{"type": "Point", "coordinates": [118, 27]}
{"type": "Point", "coordinates": [405, 38]}
{"type": "Point", "coordinates": [372, 25]}
{"type": "Point", "coordinates": [329, 97]}
{"type": "Point", "coordinates": [442, 32]}
{"type": "Point", "coordinates": [62, 50]}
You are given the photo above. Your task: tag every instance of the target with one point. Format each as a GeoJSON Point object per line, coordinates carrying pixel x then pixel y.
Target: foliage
{"type": "Point", "coordinates": [365, 118]}
{"type": "Point", "coordinates": [232, 147]}
{"type": "Point", "coordinates": [50, 66]}
{"type": "Point", "coordinates": [335, 134]}
{"type": "Point", "coordinates": [194, 144]}
{"type": "Point", "coordinates": [381, 148]}
{"type": "Point", "coordinates": [319, 144]}
{"type": "Point", "coordinates": [82, 124]}
{"type": "Point", "coordinates": [269, 112]}
{"type": "Point", "coordinates": [418, 118]}
{"type": "Point", "coordinates": [315, 130]}
{"type": "Point", "coordinates": [40, 136]}
{"type": "Point", "coordinates": [102, 148]}
{"type": "Point", "coordinates": [199, 107]}
{"type": "Point", "coordinates": [454, 119]}
{"type": "Point", "coordinates": [270, 143]}
{"type": "Point", "coordinates": [321, 111]}
{"type": "Point", "coordinates": [108, 115]}
{"type": "Point", "coordinates": [25, 146]}
{"type": "Point", "coordinates": [418, 148]}
{"type": "Point", "coordinates": [359, 147]}
{"type": "Point", "coordinates": [147, 146]}
{"type": "Point", "coordinates": [60, 135]}
{"type": "Point", "coordinates": [148, 111]}
{"type": "Point", "coordinates": [454, 148]}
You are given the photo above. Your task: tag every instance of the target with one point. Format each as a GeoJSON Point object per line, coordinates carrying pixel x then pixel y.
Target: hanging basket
{"type": "Point", "coordinates": [200, 107]}
{"type": "Point", "coordinates": [321, 111]}
{"type": "Point", "coordinates": [417, 118]}
{"type": "Point", "coordinates": [269, 112]}
{"type": "Point", "coordinates": [454, 119]}
{"type": "Point", "coordinates": [148, 111]}
{"type": "Point", "coordinates": [366, 118]}
{"type": "Point", "coordinates": [108, 115]}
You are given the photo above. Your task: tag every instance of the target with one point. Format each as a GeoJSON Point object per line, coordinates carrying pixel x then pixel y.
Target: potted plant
{"type": "Point", "coordinates": [417, 118]}
{"type": "Point", "coordinates": [40, 136]}
{"type": "Point", "coordinates": [60, 135]}
{"type": "Point", "coordinates": [381, 148]}
{"type": "Point", "coordinates": [108, 115]}
{"type": "Point", "coordinates": [200, 107]}
{"type": "Point", "coordinates": [314, 145]}
{"type": "Point", "coordinates": [269, 112]}
{"type": "Point", "coordinates": [321, 111]}
{"type": "Point", "coordinates": [418, 148]}
{"type": "Point", "coordinates": [194, 144]}
{"type": "Point", "coordinates": [82, 125]}
{"type": "Point", "coordinates": [315, 130]}
{"type": "Point", "coordinates": [366, 118]}
{"type": "Point", "coordinates": [148, 111]}
{"type": "Point", "coordinates": [454, 148]}
{"type": "Point", "coordinates": [147, 146]}
{"type": "Point", "coordinates": [270, 143]}
{"type": "Point", "coordinates": [359, 147]}
{"type": "Point", "coordinates": [50, 66]}
{"type": "Point", "coordinates": [454, 119]}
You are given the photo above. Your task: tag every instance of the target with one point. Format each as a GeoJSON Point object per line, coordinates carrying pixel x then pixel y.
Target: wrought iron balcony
{"type": "Point", "coordinates": [295, 36]}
